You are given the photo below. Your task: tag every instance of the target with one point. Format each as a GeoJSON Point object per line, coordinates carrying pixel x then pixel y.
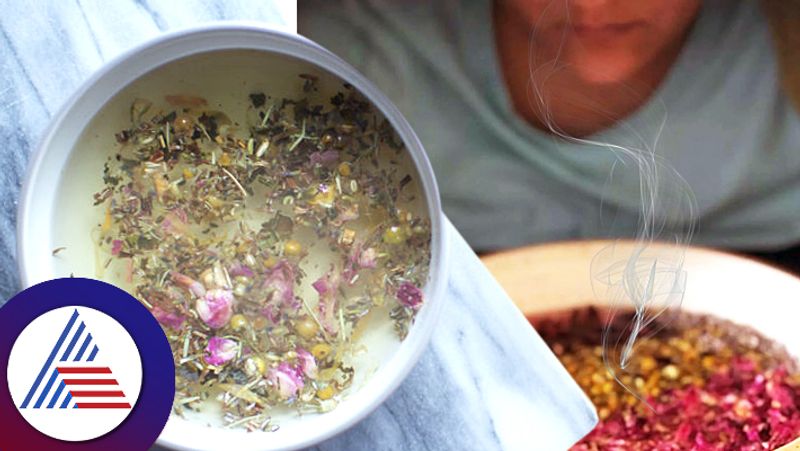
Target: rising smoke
{"type": "Point", "coordinates": [644, 273]}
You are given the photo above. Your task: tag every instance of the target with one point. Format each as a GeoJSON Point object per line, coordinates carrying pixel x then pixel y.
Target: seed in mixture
{"type": "Point", "coordinates": [695, 382]}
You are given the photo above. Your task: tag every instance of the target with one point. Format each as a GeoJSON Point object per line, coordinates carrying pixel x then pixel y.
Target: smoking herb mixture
{"type": "Point", "coordinates": [700, 383]}
{"type": "Point", "coordinates": [208, 220]}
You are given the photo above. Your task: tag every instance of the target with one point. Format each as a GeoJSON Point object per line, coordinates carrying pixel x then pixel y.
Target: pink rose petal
{"type": "Point", "coordinates": [409, 295]}
{"type": "Point", "coordinates": [215, 308]}
{"type": "Point", "coordinates": [280, 282]}
{"type": "Point", "coordinates": [188, 283]}
{"type": "Point", "coordinates": [220, 350]}
{"type": "Point", "coordinates": [168, 319]}
{"type": "Point", "coordinates": [307, 363]}
{"type": "Point", "coordinates": [286, 379]}
{"type": "Point", "coordinates": [327, 286]}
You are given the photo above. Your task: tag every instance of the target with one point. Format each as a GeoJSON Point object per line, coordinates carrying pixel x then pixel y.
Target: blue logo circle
{"type": "Point", "coordinates": [88, 368]}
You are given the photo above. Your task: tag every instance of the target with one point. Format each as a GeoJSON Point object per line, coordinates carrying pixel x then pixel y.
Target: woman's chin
{"type": "Point", "coordinates": [609, 70]}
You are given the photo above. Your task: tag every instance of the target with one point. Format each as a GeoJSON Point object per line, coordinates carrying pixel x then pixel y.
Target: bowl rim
{"type": "Point", "coordinates": [393, 371]}
{"type": "Point", "coordinates": [491, 257]}
{"type": "Point", "coordinates": [503, 263]}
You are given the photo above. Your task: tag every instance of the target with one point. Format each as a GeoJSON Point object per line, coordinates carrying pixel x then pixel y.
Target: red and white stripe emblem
{"type": "Point", "coordinates": [93, 387]}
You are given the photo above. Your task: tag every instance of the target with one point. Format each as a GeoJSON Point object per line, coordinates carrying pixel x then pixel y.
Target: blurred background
{"type": "Point", "coordinates": [557, 120]}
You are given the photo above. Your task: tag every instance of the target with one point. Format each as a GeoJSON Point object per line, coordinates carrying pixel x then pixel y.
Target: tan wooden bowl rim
{"type": "Point", "coordinates": [553, 277]}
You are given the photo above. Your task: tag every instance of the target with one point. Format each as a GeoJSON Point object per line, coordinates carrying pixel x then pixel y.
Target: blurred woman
{"type": "Point", "coordinates": [561, 119]}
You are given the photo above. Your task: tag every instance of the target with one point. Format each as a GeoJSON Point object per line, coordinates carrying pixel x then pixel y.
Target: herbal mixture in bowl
{"type": "Point", "coordinates": [264, 246]}
{"type": "Point", "coordinates": [698, 382]}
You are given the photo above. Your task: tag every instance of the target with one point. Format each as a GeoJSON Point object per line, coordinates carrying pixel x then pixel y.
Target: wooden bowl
{"type": "Point", "coordinates": [549, 278]}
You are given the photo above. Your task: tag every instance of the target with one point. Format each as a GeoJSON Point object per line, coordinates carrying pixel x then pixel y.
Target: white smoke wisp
{"type": "Point", "coordinates": [643, 274]}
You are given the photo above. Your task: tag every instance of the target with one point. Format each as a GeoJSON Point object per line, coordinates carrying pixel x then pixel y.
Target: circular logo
{"type": "Point", "coordinates": [74, 358]}
{"type": "Point", "coordinates": [88, 368]}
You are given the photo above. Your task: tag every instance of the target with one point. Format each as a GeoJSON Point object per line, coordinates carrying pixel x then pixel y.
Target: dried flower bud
{"type": "Point", "coordinates": [255, 365]}
{"type": "Point", "coordinates": [168, 319]}
{"type": "Point", "coordinates": [286, 379]}
{"type": "Point", "coordinates": [220, 350]}
{"type": "Point", "coordinates": [215, 308]}
{"type": "Point", "coordinates": [306, 327]}
{"type": "Point", "coordinates": [409, 295]}
{"type": "Point", "coordinates": [307, 363]}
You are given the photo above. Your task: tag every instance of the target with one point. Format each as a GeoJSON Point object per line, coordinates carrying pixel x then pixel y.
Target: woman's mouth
{"type": "Point", "coordinates": [605, 29]}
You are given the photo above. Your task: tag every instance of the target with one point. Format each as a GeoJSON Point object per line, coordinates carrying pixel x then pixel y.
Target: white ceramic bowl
{"type": "Point", "coordinates": [222, 61]}
{"type": "Point", "coordinates": [548, 279]}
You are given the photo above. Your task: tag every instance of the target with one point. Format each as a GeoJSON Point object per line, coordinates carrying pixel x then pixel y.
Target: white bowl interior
{"type": "Point", "coordinates": [57, 208]}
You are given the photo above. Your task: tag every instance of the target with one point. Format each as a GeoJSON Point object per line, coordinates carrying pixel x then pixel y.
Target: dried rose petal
{"type": "Point", "coordinates": [409, 295]}
{"type": "Point", "coordinates": [307, 363]}
{"type": "Point", "coordinates": [220, 350]}
{"type": "Point", "coordinates": [238, 269]}
{"type": "Point", "coordinates": [175, 222]}
{"type": "Point", "coordinates": [734, 410]}
{"type": "Point", "coordinates": [368, 258]}
{"type": "Point", "coordinates": [327, 286]}
{"type": "Point", "coordinates": [180, 213]}
{"type": "Point", "coordinates": [286, 379]}
{"type": "Point", "coordinates": [168, 319]}
{"type": "Point", "coordinates": [190, 284]}
{"type": "Point", "coordinates": [116, 247]}
{"type": "Point", "coordinates": [272, 313]}
{"type": "Point", "coordinates": [323, 285]}
{"type": "Point", "coordinates": [326, 158]}
{"type": "Point", "coordinates": [781, 396]}
{"type": "Point", "coordinates": [359, 259]}
{"type": "Point", "coordinates": [215, 308]}
{"type": "Point", "coordinates": [129, 270]}
{"type": "Point", "coordinates": [280, 282]}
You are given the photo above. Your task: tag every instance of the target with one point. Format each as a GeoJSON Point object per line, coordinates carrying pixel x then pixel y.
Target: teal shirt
{"type": "Point", "coordinates": [719, 119]}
